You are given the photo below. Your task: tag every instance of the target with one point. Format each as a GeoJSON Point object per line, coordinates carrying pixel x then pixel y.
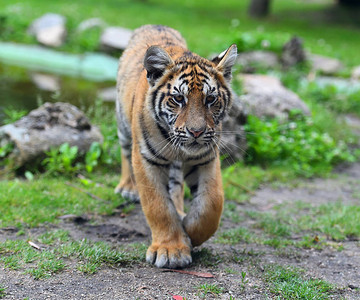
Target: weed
{"type": "Point", "coordinates": [289, 283]}
{"type": "Point", "coordinates": [206, 288]}
{"type": "Point", "coordinates": [92, 156]}
{"type": "Point", "coordinates": [244, 281]}
{"type": "Point", "coordinates": [61, 160]}
{"type": "Point", "coordinates": [12, 115]}
{"type": "Point", "coordinates": [2, 292]}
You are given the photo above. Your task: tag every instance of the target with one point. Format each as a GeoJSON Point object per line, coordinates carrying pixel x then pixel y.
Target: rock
{"type": "Point", "coordinates": [233, 139]}
{"type": "Point", "coordinates": [49, 30]}
{"type": "Point", "coordinates": [355, 73]}
{"type": "Point", "coordinates": [48, 126]}
{"type": "Point", "coordinates": [293, 52]}
{"type": "Point", "coordinates": [107, 94]}
{"type": "Point", "coordinates": [265, 96]}
{"type": "Point", "coordinates": [257, 59]}
{"type": "Point", "coordinates": [325, 65]}
{"type": "Point", "coordinates": [345, 84]}
{"type": "Point", "coordinates": [90, 23]}
{"type": "Point", "coordinates": [115, 38]}
{"type": "Point", "coordinates": [46, 82]}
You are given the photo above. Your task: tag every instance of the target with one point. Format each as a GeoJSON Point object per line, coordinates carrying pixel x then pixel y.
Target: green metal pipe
{"type": "Point", "coordinates": [91, 66]}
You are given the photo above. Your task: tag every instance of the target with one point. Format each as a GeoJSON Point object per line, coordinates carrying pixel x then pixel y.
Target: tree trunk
{"type": "Point", "coordinates": [349, 3]}
{"type": "Point", "coordinates": [259, 8]}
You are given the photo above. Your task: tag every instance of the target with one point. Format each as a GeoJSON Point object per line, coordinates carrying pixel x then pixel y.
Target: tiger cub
{"type": "Point", "coordinates": [170, 104]}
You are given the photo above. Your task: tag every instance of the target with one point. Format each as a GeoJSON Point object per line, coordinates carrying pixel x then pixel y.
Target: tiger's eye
{"type": "Point", "coordinates": [210, 99]}
{"type": "Point", "coordinates": [179, 99]}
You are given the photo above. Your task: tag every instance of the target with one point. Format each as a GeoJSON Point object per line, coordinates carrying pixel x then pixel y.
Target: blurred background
{"type": "Point", "coordinates": [326, 27]}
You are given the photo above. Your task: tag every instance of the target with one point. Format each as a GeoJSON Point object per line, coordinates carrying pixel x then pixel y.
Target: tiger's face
{"type": "Point", "coordinates": [190, 97]}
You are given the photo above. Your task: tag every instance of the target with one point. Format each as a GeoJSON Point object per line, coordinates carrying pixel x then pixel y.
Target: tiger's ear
{"type": "Point", "coordinates": [155, 62]}
{"type": "Point", "coordinates": [226, 60]}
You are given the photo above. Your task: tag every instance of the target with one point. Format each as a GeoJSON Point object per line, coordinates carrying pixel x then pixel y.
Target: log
{"type": "Point", "coordinates": [46, 127]}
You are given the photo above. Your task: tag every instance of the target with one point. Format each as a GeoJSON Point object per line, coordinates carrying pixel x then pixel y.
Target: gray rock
{"type": "Point", "coordinates": [257, 59]}
{"type": "Point", "coordinates": [46, 82]}
{"type": "Point", "coordinates": [107, 94]}
{"type": "Point", "coordinates": [293, 52]}
{"type": "Point", "coordinates": [325, 65]}
{"type": "Point", "coordinates": [90, 23]}
{"type": "Point", "coordinates": [233, 140]}
{"type": "Point", "coordinates": [265, 96]}
{"type": "Point", "coordinates": [355, 73]}
{"type": "Point", "coordinates": [49, 30]}
{"type": "Point", "coordinates": [51, 125]}
{"type": "Point", "coordinates": [115, 38]}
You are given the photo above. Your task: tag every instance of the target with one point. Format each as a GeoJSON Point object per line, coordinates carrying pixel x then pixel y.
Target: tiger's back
{"type": "Point", "coordinates": [170, 104]}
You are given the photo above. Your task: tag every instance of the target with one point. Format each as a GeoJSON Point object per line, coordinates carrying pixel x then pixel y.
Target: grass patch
{"type": "Point", "coordinates": [301, 225]}
{"type": "Point", "coordinates": [290, 283]}
{"type": "Point", "coordinates": [212, 289]}
{"type": "Point", "coordinates": [61, 252]}
{"type": "Point", "coordinates": [235, 236]}
{"type": "Point", "coordinates": [40, 201]}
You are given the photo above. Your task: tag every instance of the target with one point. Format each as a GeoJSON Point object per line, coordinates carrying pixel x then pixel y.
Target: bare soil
{"type": "Point", "coordinates": [142, 281]}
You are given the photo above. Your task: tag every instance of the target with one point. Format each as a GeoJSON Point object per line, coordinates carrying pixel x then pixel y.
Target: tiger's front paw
{"type": "Point", "coordinates": [169, 255]}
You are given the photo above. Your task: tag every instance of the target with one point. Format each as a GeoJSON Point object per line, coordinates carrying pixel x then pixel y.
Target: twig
{"type": "Point", "coordinates": [246, 189]}
{"type": "Point", "coordinates": [86, 192]}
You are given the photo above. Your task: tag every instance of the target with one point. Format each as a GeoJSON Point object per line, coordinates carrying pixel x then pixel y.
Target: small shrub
{"type": "Point", "coordinates": [296, 143]}
{"type": "Point", "coordinates": [61, 160]}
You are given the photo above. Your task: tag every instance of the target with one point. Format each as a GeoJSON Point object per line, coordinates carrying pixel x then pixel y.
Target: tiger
{"type": "Point", "coordinates": [170, 106]}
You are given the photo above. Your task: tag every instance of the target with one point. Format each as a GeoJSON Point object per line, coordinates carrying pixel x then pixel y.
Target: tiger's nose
{"type": "Point", "coordinates": [196, 132]}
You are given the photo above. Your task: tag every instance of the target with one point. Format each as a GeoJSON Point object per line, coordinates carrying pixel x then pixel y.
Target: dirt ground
{"type": "Point", "coordinates": [142, 281]}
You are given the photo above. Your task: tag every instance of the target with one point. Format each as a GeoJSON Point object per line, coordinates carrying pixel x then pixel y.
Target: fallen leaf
{"type": "Point", "coordinates": [176, 297]}
{"type": "Point", "coordinates": [34, 245]}
{"type": "Point", "coordinates": [194, 273]}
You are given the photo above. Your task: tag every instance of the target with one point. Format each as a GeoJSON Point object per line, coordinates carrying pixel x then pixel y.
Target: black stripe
{"type": "Point", "coordinates": [193, 189]}
{"type": "Point", "coordinates": [200, 156]}
{"type": "Point", "coordinates": [154, 163]}
{"type": "Point", "coordinates": [195, 167]}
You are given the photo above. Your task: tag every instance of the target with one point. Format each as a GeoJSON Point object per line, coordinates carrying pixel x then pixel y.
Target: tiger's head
{"type": "Point", "coordinates": [189, 96]}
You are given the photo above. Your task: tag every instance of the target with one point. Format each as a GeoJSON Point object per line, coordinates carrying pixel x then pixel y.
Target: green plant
{"type": "Point", "coordinates": [92, 156]}
{"type": "Point", "coordinates": [289, 283]}
{"type": "Point", "coordinates": [244, 281]}
{"type": "Point", "coordinates": [296, 143]}
{"type": "Point", "coordinates": [61, 160]}
{"type": "Point", "coordinates": [2, 292]}
{"type": "Point", "coordinates": [210, 289]}
{"type": "Point", "coordinates": [6, 149]}
{"type": "Point", "coordinates": [13, 115]}
{"type": "Point", "coordinates": [337, 98]}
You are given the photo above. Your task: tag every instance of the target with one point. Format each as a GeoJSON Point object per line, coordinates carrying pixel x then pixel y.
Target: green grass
{"type": "Point", "coordinates": [290, 283]}
{"type": "Point", "coordinates": [316, 227]}
{"type": "Point", "coordinates": [212, 289]}
{"type": "Point", "coordinates": [62, 252]}
{"type": "Point", "coordinates": [2, 292]}
{"type": "Point", "coordinates": [44, 200]}
{"type": "Point", "coordinates": [208, 26]}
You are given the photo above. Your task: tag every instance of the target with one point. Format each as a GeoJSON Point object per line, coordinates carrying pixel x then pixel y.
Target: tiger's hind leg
{"type": "Point", "coordinates": [127, 186]}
